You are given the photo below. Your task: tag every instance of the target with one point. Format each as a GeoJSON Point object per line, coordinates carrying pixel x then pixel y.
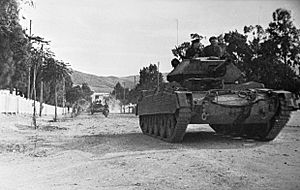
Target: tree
{"type": "Point", "coordinates": [53, 72]}
{"type": "Point", "coordinates": [285, 37]}
{"type": "Point", "coordinates": [78, 92]}
{"type": "Point", "coordinates": [118, 91]}
{"type": "Point", "coordinates": [24, 61]}
{"type": "Point", "coordinates": [149, 77]}
{"type": "Point", "coordinates": [268, 55]}
{"type": "Point", "coordinates": [86, 92]}
{"type": "Point", "coordinates": [13, 44]}
{"type": "Point", "coordinates": [180, 51]}
{"type": "Point", "coordinates": [121, 93]}
{"type": "Point", "coordinates": [239, 51]}
{"type": "Point", "coordinates": [73, 94]}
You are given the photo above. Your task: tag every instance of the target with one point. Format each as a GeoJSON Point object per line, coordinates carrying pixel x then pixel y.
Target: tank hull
{"type": "Point", "coordinates": [256, 113]}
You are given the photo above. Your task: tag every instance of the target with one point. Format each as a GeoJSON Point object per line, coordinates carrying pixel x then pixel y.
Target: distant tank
{"type": "Point", "coordinates": [97, 106]}
{"type": "Point", "coordinates": [208, 90]}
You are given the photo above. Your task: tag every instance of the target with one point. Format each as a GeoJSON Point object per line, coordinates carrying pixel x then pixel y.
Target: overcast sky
{"type": "Point", "coordinates": [119, 37]}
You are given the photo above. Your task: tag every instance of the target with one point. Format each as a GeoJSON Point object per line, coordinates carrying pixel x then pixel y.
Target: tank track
{"type": "Point", "coordinates": [278, 121]}
{"type": "Point", "coordinates": [167, 127]}
{"type": "Point", "coordinates": [262, 132]}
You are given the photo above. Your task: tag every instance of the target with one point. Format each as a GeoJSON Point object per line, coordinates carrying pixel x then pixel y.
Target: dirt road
{"type": "Point", "coordinates": [94, 152]}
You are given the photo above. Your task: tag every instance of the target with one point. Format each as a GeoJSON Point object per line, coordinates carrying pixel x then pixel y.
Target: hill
{"type": "Point", "coordinates": [105, 84]}
{"type": "Point", "coordinates": [100, 83]}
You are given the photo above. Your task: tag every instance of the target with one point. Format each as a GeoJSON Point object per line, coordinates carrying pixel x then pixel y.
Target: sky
{"type": "Point", "coordinates": [119, 37]}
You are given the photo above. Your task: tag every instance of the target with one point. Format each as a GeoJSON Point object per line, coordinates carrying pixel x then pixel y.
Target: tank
{"type": "Point", "coordinates": [210, 91]}
{"type": "Point", "coordinates": [97, 106]}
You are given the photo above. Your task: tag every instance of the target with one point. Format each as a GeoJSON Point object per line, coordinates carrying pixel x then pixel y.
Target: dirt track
{"type": "Point", "coordinates": [93, 152]}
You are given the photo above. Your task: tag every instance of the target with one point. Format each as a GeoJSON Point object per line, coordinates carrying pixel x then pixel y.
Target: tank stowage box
{"type": "Point", "coordinates": [208, 91]}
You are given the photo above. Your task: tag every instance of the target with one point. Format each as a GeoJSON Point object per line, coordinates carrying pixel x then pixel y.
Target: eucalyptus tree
{"type": "Point", "coordinates": [269, 55]}
{"type": "Point", "coordinates": [285, 37]}
{"type": "Point", "coordinates": [150, 77]}
{"type": "Point", "coordinates": [54, 72]}
{"type": "Point", "coordinates": [13, 44]}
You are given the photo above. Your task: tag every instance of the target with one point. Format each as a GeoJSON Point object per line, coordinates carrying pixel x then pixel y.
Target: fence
{"type": "Point", "coordinates": [10, 103]}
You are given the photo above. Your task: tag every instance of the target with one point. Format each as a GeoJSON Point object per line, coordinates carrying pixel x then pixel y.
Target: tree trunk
{"type": "Point", "coordinates": [64, 94]}
{"type": "Point", "coordinates": [34, 97]}
{"type": "Point", "coordinates": [41, 98]}
{"type": "Point", "coordinates": [55, 91]}
{"type": "Point", "coordinates": [28, 88]}
{"type": "Point", "coordinates": [32, 89]}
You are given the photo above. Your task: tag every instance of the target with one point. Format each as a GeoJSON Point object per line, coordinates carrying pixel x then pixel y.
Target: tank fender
{"type": "Point", "coordinates": [288, 98]}
{"type": "Point", "coordinates": [159, 103]}
{"type": "Point", "coordinates": [184, 99]}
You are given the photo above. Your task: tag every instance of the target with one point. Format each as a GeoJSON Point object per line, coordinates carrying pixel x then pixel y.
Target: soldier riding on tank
{"type": "Point", "coordinates": [213, 50]}
{"type": "Point", "coordinates": [194, 50]}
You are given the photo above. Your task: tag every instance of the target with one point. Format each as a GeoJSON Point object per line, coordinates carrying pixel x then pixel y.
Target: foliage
{"type": "Point", "coordinates": [53, 70]}
{"type": "Point", "coordinates": [270, 55]}
{"type": "Point", "coordinates": [149, 77]}
{"type": "Point", "coordinates": [49, 91]}
{"type": "Point", "coordinates": [21, 55]}
{"type": "Point", "coordinates": [78, 92]}
{"type": "Point", "coordinates": [86, 92]}
{"type": "Point", "coordinates": [13, 44]}
{"type": "Point", "coordinates": [120, 92]}
{"type": "Point", "coordinates": [53, 73]}
{"type": "Point", "coordinates": [180, 51]}
{"type": "Point", "coordinates": [285, 37]}
{"type": "Point", "coordinates": [148, 81]}
{"type": "Point", "coordinates": [74, 94]}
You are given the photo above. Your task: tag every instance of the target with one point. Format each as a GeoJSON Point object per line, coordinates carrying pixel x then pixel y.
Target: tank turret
{"type": "Point", "coordinates": [208, 71]}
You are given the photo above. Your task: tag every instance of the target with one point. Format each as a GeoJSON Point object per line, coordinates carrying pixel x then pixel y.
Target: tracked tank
{"type": "Point", "coordinates": [208, 90]}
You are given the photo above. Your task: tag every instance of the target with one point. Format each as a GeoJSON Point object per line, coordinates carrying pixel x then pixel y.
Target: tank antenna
{"type": "Point", "coordinates": [158, 77]}
{"type": "Point", "coordinates": [177, 30]}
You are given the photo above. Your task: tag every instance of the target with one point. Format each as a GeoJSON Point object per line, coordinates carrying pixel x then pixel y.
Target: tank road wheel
{"type": "Point", "coordinates": [159, 126]}
{"type": "Point", "coordinates": [171, 122]}
{"type": "Point", "coordinates": [150, 125]}
{"type": "Point", "coordinates": [156, 125]}
{"type": "Point", "coordinates": [162, 126]}
{"type": "Point", "coordinates": [168, 127]}
{"type": "Point", "coordinates": [177, 124]}
{"type": "Point", "coordinates": [105, 112]}
{"type": "Point", "coordinates": [143, 124]}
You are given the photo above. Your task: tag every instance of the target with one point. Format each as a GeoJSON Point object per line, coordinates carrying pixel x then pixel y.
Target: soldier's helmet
{"type": "Point", "coordinates": [196, 37]}
{"type": "Point", "coordinates": [213, 38]}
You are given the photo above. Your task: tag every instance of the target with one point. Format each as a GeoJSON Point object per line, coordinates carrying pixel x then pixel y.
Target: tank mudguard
{"type": "Point", "coordinates": [289, 99]}
{"type": "Point", "coordinates": [162, 103]}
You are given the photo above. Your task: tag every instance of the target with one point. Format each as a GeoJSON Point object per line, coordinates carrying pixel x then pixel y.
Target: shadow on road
{"type": "Point", "coordinates": [85, 115]}
{"type": "Point", "coordinates": [109, 143]}
{"type": "Point", "coordinates": [210, 140]}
